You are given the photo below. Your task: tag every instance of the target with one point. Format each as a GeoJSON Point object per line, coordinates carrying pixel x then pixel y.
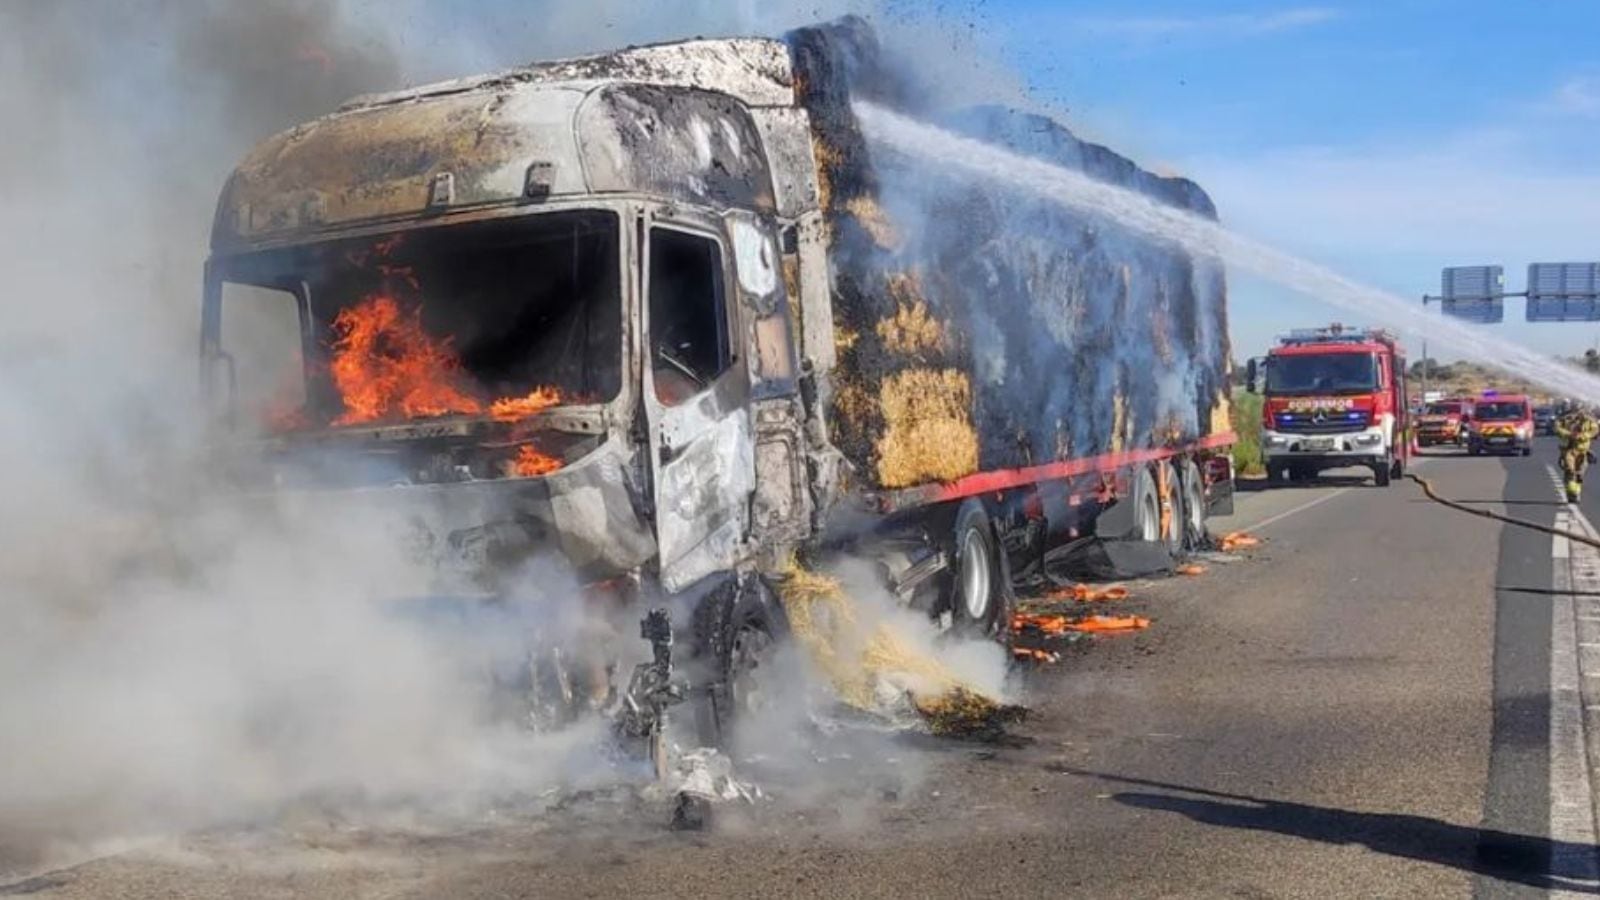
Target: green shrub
{"type": "Point", "coordinates": [1247, 426]}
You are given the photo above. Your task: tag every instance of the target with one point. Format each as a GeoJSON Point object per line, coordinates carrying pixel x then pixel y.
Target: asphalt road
{"type": "Point", "coordinates": [1360, 708]}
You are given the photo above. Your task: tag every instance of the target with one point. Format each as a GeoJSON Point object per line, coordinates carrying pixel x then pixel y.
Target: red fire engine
{"type": "Point", "coordinates": [1334, 397]}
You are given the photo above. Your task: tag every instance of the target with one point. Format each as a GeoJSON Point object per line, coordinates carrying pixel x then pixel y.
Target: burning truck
{"type": "Point", "coordinates": [666, 314]}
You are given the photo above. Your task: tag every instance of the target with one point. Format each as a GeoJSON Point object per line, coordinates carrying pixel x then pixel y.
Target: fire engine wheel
{"type": "Point", "coordinates": [977, 588]}
{"type": "Point", "coordinates": [737, 628]}
{"type": "Point", "coordinates": [1193, 492]}
{"type": "Point", "coordinates": [1381, 473]}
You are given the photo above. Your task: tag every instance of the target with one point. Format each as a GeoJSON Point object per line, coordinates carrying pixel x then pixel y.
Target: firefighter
{"type": "Point", "coordinates": [1577, 430]}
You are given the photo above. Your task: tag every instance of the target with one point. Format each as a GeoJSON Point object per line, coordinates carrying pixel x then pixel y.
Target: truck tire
{"type": "Point", "coordinates": [1146, 507]}
{"type": "Point", "coordinates": [736, 628]}
{"type": "Point", "coordinates": [1193, 492]}
{"type": "Point", "coordinates": [1171, 525]}
{"type": "Point", "coordinates": [977, 589]}
{"type": "Point", "coordinates": [1380, 473]}
{"type": "Point", "coordinates": [1276, 475]}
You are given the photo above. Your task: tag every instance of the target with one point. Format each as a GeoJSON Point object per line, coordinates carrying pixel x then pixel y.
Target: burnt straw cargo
{"type": "Point", "coordinates": [665, 314]}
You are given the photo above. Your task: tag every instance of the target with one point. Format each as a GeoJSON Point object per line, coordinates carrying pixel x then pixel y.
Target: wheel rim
{"type": "Point", "coordinates": [975, 576]}
{"type": "Point", "coordinates": [1150, 528]}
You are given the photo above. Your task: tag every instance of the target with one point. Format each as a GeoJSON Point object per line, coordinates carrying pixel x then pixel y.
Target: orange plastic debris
{"type": "Point", "coordinates": [1086, 594]}
{"type": "Point", "coordinates": [1110, 623]}
{"type": "Point", "coordinates": [1191, 569]}
{"type": "Point", "coordinates": [1059, 624]}
{"type": "Point", "coordinates": [1238, 540]}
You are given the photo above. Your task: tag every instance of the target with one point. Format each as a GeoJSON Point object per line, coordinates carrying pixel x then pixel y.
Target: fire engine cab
{"type": "Point", "coordinates": [1333, 398]}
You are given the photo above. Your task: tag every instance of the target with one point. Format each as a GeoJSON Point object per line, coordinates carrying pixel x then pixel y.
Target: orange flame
{"type": "Point", "coordinates": [1058, 624]}
{"type": "Point", "coordinates": [512, 409]}
{"type": "Point", "coordinates": [384, 363]}
{"type": "Point", "coordinates": [530, 463]}
{"type": "Point", "coordinates": [1083, 593]}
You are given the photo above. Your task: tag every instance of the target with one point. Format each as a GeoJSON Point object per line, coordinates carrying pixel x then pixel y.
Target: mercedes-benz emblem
{"type": "Point", "coordinates": [1319, 417]}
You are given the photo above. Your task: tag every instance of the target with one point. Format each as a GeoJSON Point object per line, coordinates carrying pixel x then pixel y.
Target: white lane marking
{"type": "Point", "coordinates": [1572, 802]}
{"type": "Point", "coordinates": [1416, 463]}
{"type": "Point", "coordinates": [1270, 520]}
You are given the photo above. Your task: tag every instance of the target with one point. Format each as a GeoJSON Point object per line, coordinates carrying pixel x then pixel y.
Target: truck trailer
{"type": "Point", "coordinates": [666, 314]}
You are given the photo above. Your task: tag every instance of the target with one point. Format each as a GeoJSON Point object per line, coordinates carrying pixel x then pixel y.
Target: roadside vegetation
{"type": "Point", "coordinates": [1247, 428]}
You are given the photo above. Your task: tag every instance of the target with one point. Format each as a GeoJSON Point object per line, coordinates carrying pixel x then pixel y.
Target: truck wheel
{"type": "Point", "coordinates": [1275, 475]}
{"type": "Point", "coordinates": [1193, 492]}
{"type": "Point", "coordinates": [1380, 474]}
{"type": "Point", "coordinates": [976, 591]}
{"type": "Point", "coordinates": [1146, 507]}
{"type": "Point", "coordinates": [737, 627]}
{"type": "Point", "coordinates": [1172, 525]}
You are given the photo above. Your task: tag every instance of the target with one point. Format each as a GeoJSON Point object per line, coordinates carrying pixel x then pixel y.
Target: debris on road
{"type": "Point", "coordinates": [1238, 540]}
{"type": "Point", "coordinates": [875, 668]}
{"type": "Point", "coordinates": [1083, 593]}
{"type": "Point", "coordinates": [1052, 624]}
{"type": "Point", "coordinates": [1190, 569]}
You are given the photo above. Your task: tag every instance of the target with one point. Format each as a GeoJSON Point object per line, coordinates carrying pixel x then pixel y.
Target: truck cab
{"type": "Point", "coordinates": [493, 304]}
{"type": "Point", "coordinates": [1334, 398]}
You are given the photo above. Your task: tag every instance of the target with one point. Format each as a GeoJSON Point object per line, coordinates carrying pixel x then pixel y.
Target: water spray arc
{"type": "Point", "coordinates": [1033, 177]}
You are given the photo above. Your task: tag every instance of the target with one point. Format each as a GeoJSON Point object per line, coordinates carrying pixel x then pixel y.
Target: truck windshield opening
{"type": "Point", "coordinates": [1329, 373]}
{"type": "Point", "coordinates": [500, 319]}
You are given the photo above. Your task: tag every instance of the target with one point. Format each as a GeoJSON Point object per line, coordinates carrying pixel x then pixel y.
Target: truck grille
{"type": "Point", "coordinates": [1332, 422]}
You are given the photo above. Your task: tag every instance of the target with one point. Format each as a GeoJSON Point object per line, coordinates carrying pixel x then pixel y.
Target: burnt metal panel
{"type": "Point", "coordinates": [690, 145]}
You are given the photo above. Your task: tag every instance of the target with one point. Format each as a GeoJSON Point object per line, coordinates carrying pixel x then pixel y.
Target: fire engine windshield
{"type": "Point", "coordinates": [499, 319]}
{"type": "Point", "coordinates": [1443, 409]}
{"type": "Point", "coordinates": [1329, 373]}
{"type": "Point", "coordinates": [1501, 411]}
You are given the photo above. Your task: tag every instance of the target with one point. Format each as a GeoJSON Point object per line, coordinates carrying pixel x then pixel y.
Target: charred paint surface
{"type": "Point", "coordinates": [689, 145]}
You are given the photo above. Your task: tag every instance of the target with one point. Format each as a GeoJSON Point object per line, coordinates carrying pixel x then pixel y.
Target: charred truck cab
{"type": "Point", "coordinates": [651, 311]}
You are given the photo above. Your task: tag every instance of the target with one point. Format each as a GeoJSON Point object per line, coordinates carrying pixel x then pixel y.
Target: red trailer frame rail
{"type": "Point", "coordinates": [888, 502]}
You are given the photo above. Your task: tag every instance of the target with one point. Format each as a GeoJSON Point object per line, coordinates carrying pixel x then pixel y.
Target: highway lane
{"type": "Point", "coordinates": [1361, 708]}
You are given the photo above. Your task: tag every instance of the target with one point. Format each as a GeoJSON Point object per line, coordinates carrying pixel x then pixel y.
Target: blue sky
{"type": "Point", "coordinates": [1383, 139]}
{"type": "Point", "coordinates": [1386, 140]}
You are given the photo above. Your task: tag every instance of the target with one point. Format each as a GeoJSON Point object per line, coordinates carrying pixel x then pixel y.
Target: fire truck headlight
{"type": "Point", "coordinates": [1276, 441]}
{"type": "Point", "coordinates": [1367, 440]}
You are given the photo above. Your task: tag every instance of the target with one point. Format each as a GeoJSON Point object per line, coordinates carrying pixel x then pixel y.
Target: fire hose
{"type": "Point", "coordinates": [1427, 489]}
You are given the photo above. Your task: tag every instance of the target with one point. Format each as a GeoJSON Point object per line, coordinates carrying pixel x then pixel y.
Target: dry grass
{"type": "Point", "coordinates": [876, 222]}
{"type": "Point", "coordinates": [865, 660]}
{"type": "Point", "coordinates": [911, 330]}
{"type": "Point", "coordinates": [927, 428]}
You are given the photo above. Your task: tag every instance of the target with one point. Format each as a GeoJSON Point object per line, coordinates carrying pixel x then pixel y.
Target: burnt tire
{"type": "Point", "coordinates": [1192, 491]}
{"type": "Point", "coordinates": [1172, 522]}
{"type": "Point", "coordinates": [737, 629]}
{"type": "Point", "coordinates": [977, 589]}
{"type": "Point", "coordinates": [1146, 507]}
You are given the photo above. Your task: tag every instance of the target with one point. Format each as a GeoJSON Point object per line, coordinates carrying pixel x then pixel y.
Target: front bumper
{"type": "Point", "coordinates": [1509, 443]}
{"type": "Point", "coordinates": [1352, 448]}
{"type": "Point", "coordinates": [1441, 436]}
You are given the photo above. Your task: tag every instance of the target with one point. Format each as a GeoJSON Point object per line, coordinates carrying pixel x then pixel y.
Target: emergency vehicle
{"type": "Point", "coordinates": [1444, 422]}
{"type": "Point", "coordinates": [1501, 424]}
{"type": "Point", "coordinates": [1334, 398]}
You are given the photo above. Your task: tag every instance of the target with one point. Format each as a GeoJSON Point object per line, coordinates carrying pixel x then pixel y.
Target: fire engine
{"type": "Point", "coordinates": [1334, 397]}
